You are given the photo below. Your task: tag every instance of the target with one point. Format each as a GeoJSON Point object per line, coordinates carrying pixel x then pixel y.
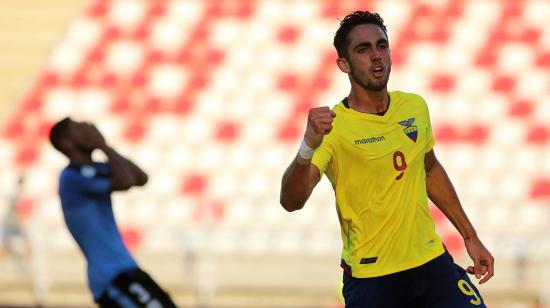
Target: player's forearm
{"type": "Point", "coordinates": [122, 177]}
{"type": "Point", "coordinates": [443, 195]}
{"type": "Point", "coordinates": [295, 188]}
{"type": "Point", "coordinates": [138, 173]}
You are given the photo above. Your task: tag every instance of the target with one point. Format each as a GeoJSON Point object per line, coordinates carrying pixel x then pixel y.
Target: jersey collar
{"type": "Point", "coordinates": [370, 116]}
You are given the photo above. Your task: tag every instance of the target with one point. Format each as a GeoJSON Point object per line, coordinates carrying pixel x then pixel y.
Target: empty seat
{"type": "Point", "coordinates": [127, 14]}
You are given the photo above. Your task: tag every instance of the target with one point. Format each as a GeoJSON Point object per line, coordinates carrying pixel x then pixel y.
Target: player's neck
{"type": "Point", "coordinates": [81, 158]}
{"type": "Point", "coordinates": [374, 102]}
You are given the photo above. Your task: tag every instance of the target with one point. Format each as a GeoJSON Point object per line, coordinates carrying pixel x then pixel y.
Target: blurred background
{"type": "Point", "coordinates": [210, 98]}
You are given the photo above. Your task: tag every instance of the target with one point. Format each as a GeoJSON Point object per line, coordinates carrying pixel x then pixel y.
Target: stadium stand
{"type": "Point", "coordinates": [210, 97]}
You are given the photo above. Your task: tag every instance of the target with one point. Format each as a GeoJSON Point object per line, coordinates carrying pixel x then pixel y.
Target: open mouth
{"type": "Point", "coordinates": [378, 71]}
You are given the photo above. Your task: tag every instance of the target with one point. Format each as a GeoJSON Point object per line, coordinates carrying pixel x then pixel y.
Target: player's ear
{"type": "Point", "coordinates": [343, 65]}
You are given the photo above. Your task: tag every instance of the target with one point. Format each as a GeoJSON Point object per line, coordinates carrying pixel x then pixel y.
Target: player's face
{"type": "Point", "coordinates": [76, 133]}
{"type": "Point", "coordinates": [369, 57]}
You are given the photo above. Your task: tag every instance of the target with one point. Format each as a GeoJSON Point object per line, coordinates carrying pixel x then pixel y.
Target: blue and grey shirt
{"type": "Point", "coordinates": [86, 201]}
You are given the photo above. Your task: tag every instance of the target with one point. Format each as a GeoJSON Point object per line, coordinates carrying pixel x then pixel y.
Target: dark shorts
{"type": "Point", "coordinates": [438, 283]}
{"type": "Point", "coordinates": [135, 289]}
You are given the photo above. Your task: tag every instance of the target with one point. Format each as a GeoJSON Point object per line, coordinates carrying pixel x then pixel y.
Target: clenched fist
{"type": "Point", "coordinates": [319, 123]}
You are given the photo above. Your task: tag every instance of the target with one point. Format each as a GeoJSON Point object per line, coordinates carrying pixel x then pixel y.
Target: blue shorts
{"type": "Point", "coordinates": [438, 283]}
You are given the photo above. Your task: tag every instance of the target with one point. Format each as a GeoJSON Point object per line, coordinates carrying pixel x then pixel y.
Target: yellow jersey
{"type": "Point", "coordinates": [376, 167]}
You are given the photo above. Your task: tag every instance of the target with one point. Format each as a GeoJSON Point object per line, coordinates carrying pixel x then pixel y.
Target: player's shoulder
{"type": "Point", "coordinates": [407, 96]}
{"type": "Point", "coordinates": [75, 171]}
{"type": "Point", "coordinates": [69, 172]}
{"type": "Point", "coordinates": [68, 177]}
{"type": "Point", "coordinates": [339, 107]}
{"type": "Point", "coordinates": [409, 100]}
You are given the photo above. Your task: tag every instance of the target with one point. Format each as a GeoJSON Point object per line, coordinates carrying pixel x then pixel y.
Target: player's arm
{"type": "Point", "coordinates": [443, 195]}
{"type": "Point", "coordinates": [140, 176]}
{"type": "Point", "coordinates": [124, 173]}
{"type": "Point", "coordinates": [298, 182]}
{"type": "Point", "coordinates": [302, 176]}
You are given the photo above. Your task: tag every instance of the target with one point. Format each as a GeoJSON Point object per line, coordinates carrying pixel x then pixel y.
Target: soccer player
{"type": "Point", "coordinates": [85, 189]}
{"type": "Point", "coordinates": [376, 148]}
{"type": "Point", "coordinates": [13, 237]}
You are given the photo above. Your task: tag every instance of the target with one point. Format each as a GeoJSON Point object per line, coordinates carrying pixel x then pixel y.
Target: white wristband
{"type": "Point", "coordinates": [305, 151]}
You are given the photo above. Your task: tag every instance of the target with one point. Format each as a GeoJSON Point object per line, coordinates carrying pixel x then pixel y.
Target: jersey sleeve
{"type": "Point", "coordinates": [430, 143]}
{"type": "Point", "coordinates": [321, 159]}
{"type": "Point", "coordinates": [86, 184]}
{"type": "Point", "coordinates": [323, 155]}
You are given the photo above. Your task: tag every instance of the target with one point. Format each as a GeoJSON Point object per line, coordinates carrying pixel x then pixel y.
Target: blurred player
{"type": "Point", "coordinates": [376, 148]}
{"type": "Point", "coordinates": [85, 190]}
{"type": "Point", "coordinates": [14, 240]}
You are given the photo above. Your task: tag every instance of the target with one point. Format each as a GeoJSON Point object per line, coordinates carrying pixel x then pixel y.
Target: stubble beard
{"type": "Point", "coordinates": [367, 84]}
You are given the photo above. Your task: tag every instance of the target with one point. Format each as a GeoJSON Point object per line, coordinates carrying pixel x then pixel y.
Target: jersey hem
{"type": "Point", "coordinates": [430, 257]}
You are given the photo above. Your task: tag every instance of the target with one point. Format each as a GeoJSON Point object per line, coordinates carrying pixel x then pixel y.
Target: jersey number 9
{"type": "Point", "coordinates": [467, 289]}
{"type": "Point", "coordinates": [399, 164]}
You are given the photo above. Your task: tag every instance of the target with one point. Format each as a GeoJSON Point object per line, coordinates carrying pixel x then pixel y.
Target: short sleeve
{"type": "Point", "coordinates": [321, 159]}
{"type": "Point", "coordinates": [86, 182]}
{"type": "Point", "coordinates": [323, 155]}
{"type": "Point", "coordinates": [430, 143]}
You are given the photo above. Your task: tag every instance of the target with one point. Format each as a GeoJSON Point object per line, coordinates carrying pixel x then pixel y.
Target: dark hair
{"type": "Point", "coordinates": [349, 22]}
{"type": "Point", "coordinates": [58, 132]}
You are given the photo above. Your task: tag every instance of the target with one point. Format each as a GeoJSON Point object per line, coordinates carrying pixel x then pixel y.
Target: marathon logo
{"type": "Point", "coordinates": [370, 140]}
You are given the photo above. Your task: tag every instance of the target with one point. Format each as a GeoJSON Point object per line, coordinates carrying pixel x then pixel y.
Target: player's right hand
{"type": "Point", "coordinates": [319, 124]}
{"type": "Point", "coordinates": [94, 139]}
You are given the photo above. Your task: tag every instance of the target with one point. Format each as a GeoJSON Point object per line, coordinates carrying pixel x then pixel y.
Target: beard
{"type": "Point", "coordinates": [370, 85]}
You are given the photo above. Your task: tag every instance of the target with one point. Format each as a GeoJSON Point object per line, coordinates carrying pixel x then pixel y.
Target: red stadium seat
{"type": "Point", "coordinates": [98, 9]}
{"type": "Point", "coordinates": [25, 208]}
{"type": "Point", "coordinates": [521, 109]}
{"type": "Point", "coordinates": [540, 189]}
{"type": "Point", "coordinates": [442, 83]}
{"type": "Point", "coordinates": [543, 59]}
{"type": "Point", "coordinates": [49, 79]}
{"type": "Point", "coordinates": [194, 184]}
{"type": "Point", "coordinates": [26, 156]}
{"type": "Point", "coordinates": [288, 82]}
{"type": "Point", "coordinates": [132, 237]}
{"type": "Point", "coordinates": [538, 135]}
{"type": "Point", "coordinates": [504, 84]}
{"type": "Point", "coordinates": [530, 36]}
{"type": "Point", "coordinates": [121, 105]}
{"type": "Point", "coordinates": [289, 133]}
{"type": "Point", "coordinates": [135, 131]}
{"type": "Point", "coordinates": [227, 131]}
{"type": "Point", "coordinates": [477, 134]}
{"type": "Point", "coordinates": [154, 105]}
{"type": "Point", "coordinates": [14, 129]}
{"type": "Point", "coordinates": [446, 133]}
{"type": "Point", "coordinates": [182, 106]}
{"type": "Point", "coordinates": [157, 9]}
{"type": "Point", "coordinates": [454, 243]}
{"type": "Point", "coordinates": [288, 34]}
{"type": "Point", "coordinates": [244, 9]}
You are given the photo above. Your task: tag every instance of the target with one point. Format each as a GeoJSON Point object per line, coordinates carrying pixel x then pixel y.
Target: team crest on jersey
{"type": "Point", "coordinates": [410, 130]}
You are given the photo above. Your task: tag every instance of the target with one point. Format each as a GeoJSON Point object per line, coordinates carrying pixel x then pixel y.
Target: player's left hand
{"type": "Point", "coordinates": [483, 260]}
{"type": "Point", "coordinates": [93, 138]}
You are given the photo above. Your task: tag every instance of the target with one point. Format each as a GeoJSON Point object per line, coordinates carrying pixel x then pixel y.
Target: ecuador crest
{"type": "Point", "coordinates": [410, 130]}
